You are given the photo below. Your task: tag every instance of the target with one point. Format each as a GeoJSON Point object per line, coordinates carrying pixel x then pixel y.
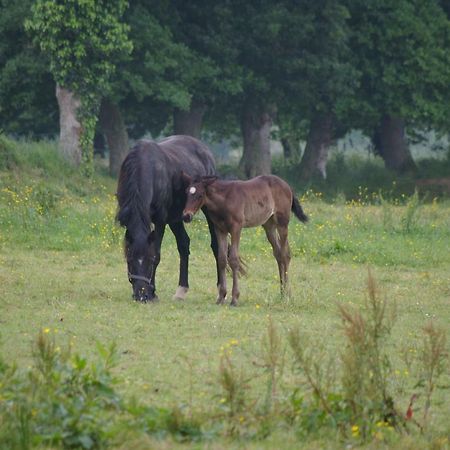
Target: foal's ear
{"type": "Point", "coordinates": [206, 181]}
{"type": "Point", "coordinates": [186, 179]}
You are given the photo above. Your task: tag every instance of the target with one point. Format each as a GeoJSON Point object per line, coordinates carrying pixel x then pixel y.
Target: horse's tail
{"type": "Point", "coordinates": [297, 209]}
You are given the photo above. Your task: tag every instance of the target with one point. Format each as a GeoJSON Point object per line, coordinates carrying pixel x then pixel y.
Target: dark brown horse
{"type": "Point", "coordinates": [232, 205]}
{"type": "Point", "coordinates": [151, 194]}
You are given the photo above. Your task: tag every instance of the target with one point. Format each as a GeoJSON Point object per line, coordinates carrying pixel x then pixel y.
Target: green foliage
{"type": "Point", "coordinates": [410, 218]}
{"type": "Point", "coordinates": [402, 50]}
{"type": "Point", "coordinates": [362, 404]}
{"type": "Point", "coordinates": [361, 178]}
{"type": "Point", "coordinates": [84, 41]}
{"type": "Point", "coordinates": [61, 401]}
{"type": "Point", "coordinates": [27, 93]}
{"type": "Point", "coordinates": [8, 157]}
{"type": "Point", "coordinates": [244, 385]}
{"type": "Point", "coordinates": [64, 401]}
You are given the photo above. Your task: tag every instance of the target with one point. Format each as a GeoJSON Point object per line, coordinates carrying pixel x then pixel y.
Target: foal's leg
{"type": "Point", "coordinates": [183, 243]}
{"type": "Point", "coordinates": [233, 260]}
{"type": "Point", "coordinates": [222, 240]}
{"type": "Point", "coordinates": [271, 232]}
{"type": "Point", "coordinates": [214, 244]}
{"type": "Point", "coordinates": [285, 253]}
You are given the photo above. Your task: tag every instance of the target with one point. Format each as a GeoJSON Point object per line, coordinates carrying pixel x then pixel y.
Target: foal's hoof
{"type": "Point", "coordinates": [181, 293]}
{"type": "Point", "coordinates": [220, 301]}
{"type": "Point", "coordinates": [233, 303]}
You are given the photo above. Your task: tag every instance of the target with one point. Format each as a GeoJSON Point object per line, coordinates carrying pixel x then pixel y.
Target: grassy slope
{"type": "Point", "coordinates": [62, 269]}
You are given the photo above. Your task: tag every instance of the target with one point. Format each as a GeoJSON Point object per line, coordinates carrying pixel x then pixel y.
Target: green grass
{"type": "Point", "coordinates": [62, 271]}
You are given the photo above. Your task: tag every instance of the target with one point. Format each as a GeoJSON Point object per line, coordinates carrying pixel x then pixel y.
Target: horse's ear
{"type": "Point", "coordinates": [187, 180]}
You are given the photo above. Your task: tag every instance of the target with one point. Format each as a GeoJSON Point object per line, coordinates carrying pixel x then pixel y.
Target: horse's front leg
{"type": "Point", "coordinates": [159, 234]}
{"type": "Point", "coordinates": [183, 243]}
{"type": "Point", "coordinates": [233, 259]}
{"type": "Point", "coordinates": [222, 242]}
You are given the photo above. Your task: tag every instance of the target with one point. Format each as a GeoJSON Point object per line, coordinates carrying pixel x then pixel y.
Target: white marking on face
{"type": "Point", "coordinates": [192, 190]}
{"type": "Point", "coordinates": [140, 261]}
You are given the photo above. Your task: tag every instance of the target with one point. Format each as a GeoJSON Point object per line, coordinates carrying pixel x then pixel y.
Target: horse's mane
{"type": "Point", "coordinates": [131, 204]}
{"type": "Point", "coordinates": [150, 177]}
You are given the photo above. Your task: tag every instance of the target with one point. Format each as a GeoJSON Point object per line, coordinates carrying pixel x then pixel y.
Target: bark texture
{"type": "Point", "coordinates": [70, 127]}
{"type": "Point", "coordinates": [391, 144]}
{"type": "Point", "coordinates": [113, 127]}
{"type": "Point", "coordinates": [315, 157]}
{"type": "Point", "coordinates": [189, 122]}
{"type": "Point", "coordinates": [256, 125]}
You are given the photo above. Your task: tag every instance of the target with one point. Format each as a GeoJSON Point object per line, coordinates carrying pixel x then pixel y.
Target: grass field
{"type": "Point", "coordinates": [62, 274]}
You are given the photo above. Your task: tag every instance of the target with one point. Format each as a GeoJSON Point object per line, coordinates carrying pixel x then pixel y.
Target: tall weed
{"type": "Point", "coordinates": [410, 219]}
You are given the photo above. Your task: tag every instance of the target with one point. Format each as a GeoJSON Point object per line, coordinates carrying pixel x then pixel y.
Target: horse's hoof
{"type": "Point", "coordinates": [154, 299]}
{"type": "Point", "coordinates": [220, 301]}
{"type": "Point", "coordinates": [233, 303]}
{"type": "Point", "coordinates": [181, 293]}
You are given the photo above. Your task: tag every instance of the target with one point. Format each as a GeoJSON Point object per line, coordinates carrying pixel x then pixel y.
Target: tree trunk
{"type": "Point", "coordinates": [320, 137]}
{"type": "Point", "coordinates": [291, 147]}
{"type": "Point", "coordinates": [390, 143]}
{"type": "Point", "coordinates": [256, 124]}
{"type": "Point", "coordinates": [113, 126]}
{"type": "Point", "coordinates": [189, 122]}
{"type": "Point", "coordinates": [70, 127]}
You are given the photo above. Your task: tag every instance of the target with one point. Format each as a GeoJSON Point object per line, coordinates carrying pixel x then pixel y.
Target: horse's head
{"type": "Point", "coordinates": [195, 194]}
{"type": "Point", "coordinates": [141, 257]}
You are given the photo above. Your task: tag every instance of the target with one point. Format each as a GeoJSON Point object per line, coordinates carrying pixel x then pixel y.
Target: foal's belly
{"type": "Point", "coordinates": [257, 215]}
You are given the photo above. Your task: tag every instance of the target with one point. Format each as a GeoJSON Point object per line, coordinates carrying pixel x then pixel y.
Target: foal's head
{"type": "Point", "coordinates": [195, 194]}
{"type": "Point", "coordinates": [141, 259]}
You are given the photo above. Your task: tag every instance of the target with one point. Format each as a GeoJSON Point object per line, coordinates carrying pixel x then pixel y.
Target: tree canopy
{"type": "Point", "coordinates": [332, 65]}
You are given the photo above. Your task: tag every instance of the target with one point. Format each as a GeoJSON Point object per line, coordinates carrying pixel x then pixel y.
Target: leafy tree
{"type": "Point", "coordinates": [211, 72]}
{"type": "Point", "coordinates": [402, 48]}
{"type": "Point", "coordinates": [83, 41]}
{"type": "Point", "coordinates": [27, 94]}
{"type": "Point", "coordinates": [316, 77]}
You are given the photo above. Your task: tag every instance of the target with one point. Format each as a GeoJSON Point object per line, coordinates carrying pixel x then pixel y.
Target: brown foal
{"type": "Point", "coordinates": [232, 205]}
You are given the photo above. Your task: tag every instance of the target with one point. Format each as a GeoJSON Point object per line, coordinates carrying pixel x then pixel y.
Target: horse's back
{"type": "Point", "coordinates": [151, 175]}
{"type": "Point", "coordinates": [189, 154]}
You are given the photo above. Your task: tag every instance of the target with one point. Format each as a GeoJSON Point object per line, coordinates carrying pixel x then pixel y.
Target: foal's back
{"type": "Point", "coordinates": [255, 201]}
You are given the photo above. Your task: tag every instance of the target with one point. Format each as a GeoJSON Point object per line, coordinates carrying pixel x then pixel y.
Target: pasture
{"type": "Point", "coordinates": [62, 274]}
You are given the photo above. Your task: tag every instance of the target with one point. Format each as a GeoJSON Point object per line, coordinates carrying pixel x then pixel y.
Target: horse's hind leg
{"type": "Point", "coordinates": [183, 243]}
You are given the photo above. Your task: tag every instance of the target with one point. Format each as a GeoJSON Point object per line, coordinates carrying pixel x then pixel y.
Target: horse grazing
{"type": "Point", "coordinates": [232, 205]}
{"type": "Point", "coordinates": [150, 195]}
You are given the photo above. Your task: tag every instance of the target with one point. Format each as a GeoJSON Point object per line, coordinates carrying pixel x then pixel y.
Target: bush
{"type": "Point", "coordinates": [63, 401]}
{"type": "Point", "coordinates": [8, 153]}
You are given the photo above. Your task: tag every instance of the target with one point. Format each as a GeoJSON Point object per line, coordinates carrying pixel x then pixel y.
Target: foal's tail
{"type": "Point", "coordinates": [297, 209]}
{"type": "Point", "coordinates": [242, 264]}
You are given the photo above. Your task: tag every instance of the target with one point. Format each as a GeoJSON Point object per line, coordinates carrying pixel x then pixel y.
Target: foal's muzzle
{"type": "Point", "coordinates": [187, 217]}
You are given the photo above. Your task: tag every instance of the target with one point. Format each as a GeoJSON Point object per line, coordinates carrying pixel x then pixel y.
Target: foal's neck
{"type": "Point", "coordinates": [215, 195]}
